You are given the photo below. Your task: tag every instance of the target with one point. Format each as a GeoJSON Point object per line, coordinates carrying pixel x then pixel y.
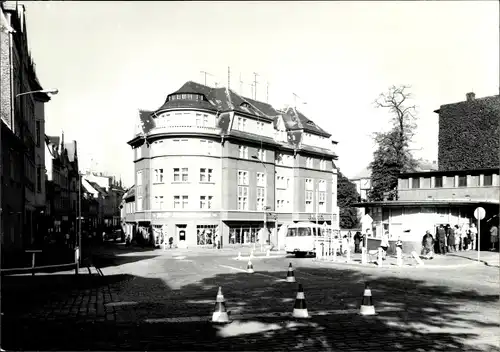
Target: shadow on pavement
{"type": "Point", "coordinates": [412, 315]}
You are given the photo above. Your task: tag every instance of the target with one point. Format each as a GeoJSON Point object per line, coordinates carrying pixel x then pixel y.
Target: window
{"type": "Point", "coordinates": [260, 126]}
{"type": "Point", "coordinates": [474, 181]}
{"type": "Point", "coordinates": [322, 202]}
{"type": "Point", "coordinates": [159, 202]}
{"type": "Point", "coordinates": [242, 123]}
{"type": "Point", "coordinates": [205, 234]}
{"type": "Point", "coordinates": [261, 194]}
{"type": "Point", "coordinates": [177, 202]}
{"type": "Point", "coordinates": [181, 202]}
{"type": "Point", "coordinates": [38, 131]}
{"type": "Point", "coordinates": [488, 180]}
{"type": "Point", "coordinates": [207, 147]}
{"type": "Point", "coordinates": [261, 154]}
{"type": "Point", "coordinates": [309, 201]}
{"type": "Point", "coordinates": [415, 182]}
{"type": "Point", "coordinates": [185, 174]}
{"type": "Point", "coordinates": [261, 179]}
{"type": "Point", "coordinates": [158, 175]}
{"type": "Point", "coordinates": [177, 175]}
{"type": "Point", "coordinates": [243, 152]}
{"type": "Point", "coordinates": [322, 185]}
{"type": "Point", "coordinates": [280, 204]}
{"type": "Point", "coordinates": [309, 184]}
{"type": "Point", "coordinates": [242, 198]}
{"type": "Point", "coordinates": [438, 181]}
{"type": "Point", "coordinates": [139, 204]}
{"type": "Point", "coordinates": [462, 181]}
{"type": "Point", "coordinates": [39, 179]}
{"type": "Point", "coordinates": [206, 202]}
{"type": "Point", "coordinates": [322, 164]}
{"type": "Point", "coordinates": [206, 175]}
{"type": "Point", "coordinates": [139, 184]}
{"type": "Point", "coordinates": [243, 178]}
{"type": "Point", "coordinates": [309, 163]}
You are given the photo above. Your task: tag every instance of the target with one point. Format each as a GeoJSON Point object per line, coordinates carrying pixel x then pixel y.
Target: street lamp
{"type": "Point", "coordinates": [264, 207]}
{"type": "Point", "coordinates": [53, 91]}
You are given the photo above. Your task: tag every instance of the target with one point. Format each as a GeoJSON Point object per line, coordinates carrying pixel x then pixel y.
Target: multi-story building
{"type": "Point", "coordinates": [468, 134]}
{"type": "Point", "coordinates": [448, 195]}
{"type": "Point", "coordinates": [212, 164]}
{"type": "Point", "coordinates": [109, 193]}
{"type": "Point", "coordinates": [58, 169]}
{"type": "Point", "coordinates": [22, 189]}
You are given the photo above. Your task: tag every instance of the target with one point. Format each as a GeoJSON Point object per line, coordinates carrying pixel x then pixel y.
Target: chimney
{"type": "Point", "coordinates": [470, 96]}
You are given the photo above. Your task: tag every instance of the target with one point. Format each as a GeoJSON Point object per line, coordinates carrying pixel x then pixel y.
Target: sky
{"type": "Point", "coordinates": [110, 59]}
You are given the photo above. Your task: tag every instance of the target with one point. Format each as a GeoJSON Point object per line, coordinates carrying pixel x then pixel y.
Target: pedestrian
{"type": "Point", "coordinates": [472, 237]}
{"type": "Point", "coordinates": [399, 244]}
{"type": "Point", "coordinates": [451, 240]}
{"type": "Point", "coordinates": [441, 239]}
{"type": "Point", "coordinates": [493, 237]}
{"type": "Point", "coordinates": [357, 241]}
{"type": "Point", "coordinates": [384, 243]}
{"type": "Point", "coordinates": [429, 245]}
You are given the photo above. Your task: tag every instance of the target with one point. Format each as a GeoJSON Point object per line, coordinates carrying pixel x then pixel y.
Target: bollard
{"type": "Point", "coordinates": [348, 258]}
{"type": "Point", "coordinates": [379, 260]}
{"type": "Point", "coordinates": [399, 255]}
{"type": "Point", "coordinates": [251, 254]}
{"type": "Point", "coordinates": [364, 256]}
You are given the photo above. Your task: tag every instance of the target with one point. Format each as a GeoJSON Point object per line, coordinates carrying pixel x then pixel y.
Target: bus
{"type": "Point", "coordinates": [302, 237]}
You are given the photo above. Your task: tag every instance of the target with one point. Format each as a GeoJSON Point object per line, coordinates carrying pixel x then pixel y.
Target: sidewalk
{"type": "Point", "coordinates": [452, 260]}
{"type": "Point", "coordinates": [486, 257]}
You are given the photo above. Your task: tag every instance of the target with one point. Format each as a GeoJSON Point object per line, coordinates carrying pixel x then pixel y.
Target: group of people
{"type": "Point", "coordinates": [450, 239]}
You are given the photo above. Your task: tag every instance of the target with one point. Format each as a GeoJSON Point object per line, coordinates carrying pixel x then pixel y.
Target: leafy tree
{"type": "Point", "coordinates": [346, 196]}
{"type": "Point", "coordinates": [392, 155]}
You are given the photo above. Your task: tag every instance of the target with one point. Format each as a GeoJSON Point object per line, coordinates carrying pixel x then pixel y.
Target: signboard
{"type": "Point", "coordinates": [479, 213]}
{"type": "Point", "coordinates": [224, 122]}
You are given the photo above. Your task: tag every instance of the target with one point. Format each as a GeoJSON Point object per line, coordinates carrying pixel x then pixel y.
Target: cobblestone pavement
{"type": "Point", "coordinates": [139, 306]}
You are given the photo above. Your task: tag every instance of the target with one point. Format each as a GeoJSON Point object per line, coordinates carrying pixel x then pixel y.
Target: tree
{"type": "Point", "coordinates": [346, 196]}
{"type": "Point", "coordinates": [392, 155]}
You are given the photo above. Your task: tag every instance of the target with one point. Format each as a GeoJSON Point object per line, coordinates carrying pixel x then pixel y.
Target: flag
{"type": "Point", "coordinates": [4, 24]}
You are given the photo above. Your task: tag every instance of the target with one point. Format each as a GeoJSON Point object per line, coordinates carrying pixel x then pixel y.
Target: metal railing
{"type": "Point", "coordinates": [34, 269]}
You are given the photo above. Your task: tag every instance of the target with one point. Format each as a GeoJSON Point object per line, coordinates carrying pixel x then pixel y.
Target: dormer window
{"type": "Point", "coordinates": [186, 96]}
{"type": "Point", "coordinates": [245, 105]}
{"type": "Point", "coordinates": [310, 123]}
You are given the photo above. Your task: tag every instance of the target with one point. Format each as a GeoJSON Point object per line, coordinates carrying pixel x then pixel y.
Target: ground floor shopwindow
{"type": "Point", "coordinates": [159, 237]}
{"type": "Point", "coordinates": [206, 234]}
{"type": "Point", "coordinates": [242, 235]}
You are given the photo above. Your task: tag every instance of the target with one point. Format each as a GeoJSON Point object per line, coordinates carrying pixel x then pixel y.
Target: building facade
{"type": "Point", "coordinates": [22, 186]}
{"type": "Point", "coordinates": [213, 166]}
{"type": "Point", "coordinates": [58, 207]}
{"type": "Point", "coordinates": [468, 134]}
{"type": "Point", "coordinates": [448, 195]}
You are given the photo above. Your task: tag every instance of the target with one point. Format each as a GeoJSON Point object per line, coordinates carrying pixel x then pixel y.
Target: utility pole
{"type": "Point", "coordinates": [267, 93]}
{"type": "Point", "coordinates": [79, 217]}
{"type": "Point", "coordinates": [241, 85]}
{"type": "Point", "coordinates": [255, 85]}
{"type": "Point", "coordinates": [228, 77]}
{"type": "Point", "coordinates": [295, 96]}
{"type": "Point", "coordinates": [205, 73]}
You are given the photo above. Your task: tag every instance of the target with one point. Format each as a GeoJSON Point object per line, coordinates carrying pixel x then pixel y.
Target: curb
{"type": "Point", "coordinates": [391, 266]}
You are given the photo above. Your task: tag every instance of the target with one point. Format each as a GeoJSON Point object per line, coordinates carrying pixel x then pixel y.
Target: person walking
{"type": "Point", "coordinates": [441, 238]}
{"type": "Point", "coordinates": [472, 237]}
{"type": "Point", "coordinates": [357, 241]}
{"type": "Point", "coordinates": [384, 243]}
{"type": "Point", "coordinates": [493, 237]}
{"type": "Point", "coordinates": [451, 240]}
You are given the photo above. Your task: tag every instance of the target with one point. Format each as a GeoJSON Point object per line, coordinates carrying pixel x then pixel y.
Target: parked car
{"type": "Point", "coordinates": [113, 235]}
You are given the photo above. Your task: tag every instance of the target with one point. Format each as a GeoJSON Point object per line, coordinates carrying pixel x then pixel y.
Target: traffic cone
{"type": "Point", "coordinates": [300, 308]}
{"type": "Point", "coordinates": [250, 267]}
{"type": "Point", "coordinates": [290, 277]}
{"type": "Point", "coordinates": [220, 315]}
{"type": "Point", "coordinates": [367, 307]}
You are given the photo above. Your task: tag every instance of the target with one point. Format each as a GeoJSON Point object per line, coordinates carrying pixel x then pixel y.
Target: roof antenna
{"type": "Point", "coordinates": [255, 86]}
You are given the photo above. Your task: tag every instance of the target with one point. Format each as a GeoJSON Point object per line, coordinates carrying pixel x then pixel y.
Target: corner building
{"type": "Point", "coordinates": [212, 165]}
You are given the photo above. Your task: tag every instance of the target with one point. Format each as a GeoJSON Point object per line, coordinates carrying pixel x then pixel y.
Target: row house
{"type": "Point", "coordinates": [22, 186]}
